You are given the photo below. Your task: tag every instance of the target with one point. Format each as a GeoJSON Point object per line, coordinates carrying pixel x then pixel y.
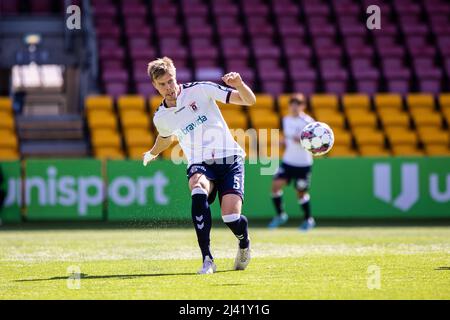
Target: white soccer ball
{"type": "Point", "coordinates": [317, 138]}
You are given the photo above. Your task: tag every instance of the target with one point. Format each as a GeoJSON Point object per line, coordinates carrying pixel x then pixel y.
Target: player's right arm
{"type": "Point", "coordinates": [161, 144]}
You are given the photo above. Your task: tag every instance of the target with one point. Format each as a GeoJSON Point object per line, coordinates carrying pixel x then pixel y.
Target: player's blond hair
{"type": "Point", "coordinates": [160, 67]}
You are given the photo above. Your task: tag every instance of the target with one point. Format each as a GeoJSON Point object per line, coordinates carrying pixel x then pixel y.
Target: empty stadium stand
{"type": "Point", "coordinates": [384, 92]}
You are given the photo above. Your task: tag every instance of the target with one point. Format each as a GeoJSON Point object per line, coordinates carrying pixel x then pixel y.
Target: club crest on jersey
{"type": "Point", "coordinates": [193, 106]}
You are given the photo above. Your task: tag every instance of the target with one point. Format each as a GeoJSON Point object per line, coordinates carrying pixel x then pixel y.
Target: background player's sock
{"type": "Point", "coordinates": [238, 224]}
{"type": "Point", "coordinates": [304, 202]}
{"type": "Point", "coordinates": [201, 217]}
{"type": "Point", "coordinates": [277, 199]}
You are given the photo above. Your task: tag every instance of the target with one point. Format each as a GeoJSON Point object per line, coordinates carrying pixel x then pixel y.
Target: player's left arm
{"type": "Point", "coordinates": [243, 95]}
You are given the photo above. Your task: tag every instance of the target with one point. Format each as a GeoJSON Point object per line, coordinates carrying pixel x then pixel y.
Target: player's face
{"type": "Point", "coordinates": [167, 86]}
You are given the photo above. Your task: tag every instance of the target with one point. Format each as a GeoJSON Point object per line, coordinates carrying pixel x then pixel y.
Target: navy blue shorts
{"type": "Point", "coordinates": [226, 173]}
{"type": "Point", "coordinates": [300, 175]}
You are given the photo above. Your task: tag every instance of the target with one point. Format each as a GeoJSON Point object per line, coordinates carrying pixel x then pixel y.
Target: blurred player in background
{"type": "Point", "coordinates": [216, 163]}
{"type": "Point", "coordinates": [295, 166]}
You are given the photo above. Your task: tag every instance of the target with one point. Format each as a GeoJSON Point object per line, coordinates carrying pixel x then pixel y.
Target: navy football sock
{"type": "Point", "coordinates": [278, 203]}
{"type": "Point", "coordinates": [238, 224]}
{"type": "Point", "coordinates": [201, 217]}
{"type": "Point", "coordinates": [304, 202]}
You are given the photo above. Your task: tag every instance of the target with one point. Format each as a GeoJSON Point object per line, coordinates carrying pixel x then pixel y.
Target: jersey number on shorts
{"type": "Point", "coordinates": [237, 184]}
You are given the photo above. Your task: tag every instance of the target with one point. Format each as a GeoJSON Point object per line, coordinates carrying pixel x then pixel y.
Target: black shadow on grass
{"type": "Point", "coordinates": [442, 268]}
{"type": "Point", "coordinates": [84, 276]}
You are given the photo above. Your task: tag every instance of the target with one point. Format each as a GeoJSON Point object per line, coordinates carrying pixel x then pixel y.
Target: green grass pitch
{"type": "Point", "coordinates": [326, 263]}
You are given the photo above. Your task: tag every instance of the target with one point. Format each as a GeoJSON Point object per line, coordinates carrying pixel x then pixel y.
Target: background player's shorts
{"type": "Point", "coordinates": [227, 175]}
{"type": "Point", "coordinates": [300, 175]}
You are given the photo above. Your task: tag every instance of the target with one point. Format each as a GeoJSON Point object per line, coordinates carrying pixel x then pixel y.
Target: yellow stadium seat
{"type": "Point", "coordinates": [356, 101]}
{"type": "Point", "coordinates": [437, 150]}
{"type": "Point", "coordinates": [5, 104]}
{"type": "Point", "coordinates": [324, 101]}
{"type": "Point", "coordinates": [402, 137]}
{"type": "Point", "coordinates": [131, 102]}
{"type": "Point", "coordinates": [359, 118]}
{"type": "Point", "coordinates": [446, 115]}
{"type": "Point", "coordinates": [390, 101]}
{"type": "Point", "coordinates": [342, 151]}
{"type": "Point", "coordinates": [228, 107]}
{"type": "Point", "coordinates": [284, 112]}
{"type": "Point", "coordinates": [135, 119]}
{"type": "Point", "coordinates": [283, 101]}
{"type": "Point", "coordinates": [420, 101]}
{"type": "Point", "coordinates": [138, 137]}
{"type": "Point", "coordinates": [444, 101]}
{"type": "Point", "coordinates": [108, 153]}
{"type": "Point", "coordinates": [406, 150]}
{"type": "Point", "coordinates": [154, 103]}
{"type": "Point", "coordinates": [235, 119]}
{"type": "Point", "coordinates": [137, 153]}
{"type": "Point", "coordinates": [333, 118]}
{"type": "Point", "coordinates": [9, 154]}
{"type": "Point", "coordinates": [105, 138]}
{"type": "Point", "coordinates": [264, 101]}
{"type": "Point", "coordinates": [98, 102]}
{"type": "Point", "coordinates": [368, 136]}
{"type": "Point", "coordinates": [427, 118]}
{"type": "Point", "coordinates": [7, 120]}
{"type": "Point", "coordinates": [433, 136]}
{"type": "Point", "coordinates": [264, 119]}
{"type": "Point", "coordinates": [394, 119]}
{"type": "Point", "coordinates": [8, 139]}
{"type": "Point", "coordinates": [101, 119]}
{"type": "Point", "coordinates": [342, 137]}
{"type": "Point", "coordinates": [395, 130]}
{"type": "Point", "coordinates": [374, 151]}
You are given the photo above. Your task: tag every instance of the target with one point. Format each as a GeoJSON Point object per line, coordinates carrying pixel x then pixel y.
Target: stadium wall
{"type": "Point", "coordinates": [88, 189]}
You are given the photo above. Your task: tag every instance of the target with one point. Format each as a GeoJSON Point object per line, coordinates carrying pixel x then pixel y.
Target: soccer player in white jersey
{"type": "Point", "coordinates": [189, 113]}
{"type": "Point", "coordinates": [295, 166]}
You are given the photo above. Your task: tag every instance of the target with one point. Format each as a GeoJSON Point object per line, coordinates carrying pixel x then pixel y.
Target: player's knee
{"type": "Point", "coordinates": [198, 189]}
{"type": "Point", "coordinates": [275, 189]}
{"type": "Point", "coordinates": [277, 186]}
{"type": "Point", "coordinates": [199, 184]}
{"type": "Point", "coordinates": [302, 185]}
{"type": "Point", "coordinates": [231, 203]}
{"type": "Point", "coordinates": [277, 192]}
{"type": "Point", "coordinates": [303, 197]}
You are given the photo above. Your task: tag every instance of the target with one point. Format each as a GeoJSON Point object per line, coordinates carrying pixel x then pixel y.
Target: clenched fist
{"type": "Point", "coordinates": [232, 79]}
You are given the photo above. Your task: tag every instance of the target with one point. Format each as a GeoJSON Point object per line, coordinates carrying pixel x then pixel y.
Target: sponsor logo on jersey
{"type": "Point", "coordinates": [191, 126]}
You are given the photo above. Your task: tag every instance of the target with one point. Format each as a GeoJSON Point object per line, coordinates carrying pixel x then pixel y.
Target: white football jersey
{"type": "Point", "coordinates": [198, 123]}
{"type": "Point", "coordinates": [295, 154]}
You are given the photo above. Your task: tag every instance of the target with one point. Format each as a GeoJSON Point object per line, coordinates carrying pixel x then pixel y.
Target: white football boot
{"type": "Point", "coordinates": [208, 266]}
{"type": "Point", "coordinates": [242, 258]}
